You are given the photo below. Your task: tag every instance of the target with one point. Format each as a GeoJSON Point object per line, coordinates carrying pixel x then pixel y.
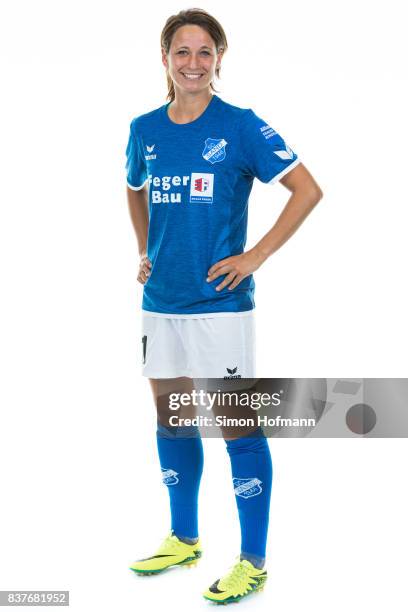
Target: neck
{"type": "Point", "coordinates": [187, 107]}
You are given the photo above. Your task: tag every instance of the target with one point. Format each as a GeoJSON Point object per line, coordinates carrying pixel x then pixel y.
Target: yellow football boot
{"type": "Point", "coordinates": [242, 579]}
{"type": "Point", "coordinates": [171, 552]}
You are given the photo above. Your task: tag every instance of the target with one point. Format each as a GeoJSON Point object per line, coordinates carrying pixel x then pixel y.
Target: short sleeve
{"type": "Point", "coordinates": [266, 155]}
{"type": "Point", "coordinates": [136, 173]}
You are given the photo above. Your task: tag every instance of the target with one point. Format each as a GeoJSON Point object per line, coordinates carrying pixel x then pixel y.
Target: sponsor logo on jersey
{"type": "Point", "coordinates": [169, 477]}
{"type": "Point", "coordinates": [232, 373]}
{"type": "Point", "coordinates": [150, 154]}
{"type": "Point", "coordinates": [267, 132]}
{"type": "Point", "coordinates": [286, 154]}
{"type": "Point", "coordinates": [201, 187]}
{"type": "Point", "coordinates": [171, 189]}
{"type": "Point", "coordinates": [214, 150]}
{"type": "Point", "coordinates": [163, 189]}
{"type": "Point", "coordinates": [201, 184]}
{"type": "Point", "coordinates": [247, 487]}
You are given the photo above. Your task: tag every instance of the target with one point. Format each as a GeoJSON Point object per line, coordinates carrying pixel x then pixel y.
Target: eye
{"type": "Point", "coordinates": [205, 53]}
{"type": "Point", "coordinates": [181, 52]}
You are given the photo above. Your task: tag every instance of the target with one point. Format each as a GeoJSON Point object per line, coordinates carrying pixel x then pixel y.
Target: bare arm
{"type": "Point", "coordinates": [306, 193]}
{"type": "Point", "coordinates": [139, 214]}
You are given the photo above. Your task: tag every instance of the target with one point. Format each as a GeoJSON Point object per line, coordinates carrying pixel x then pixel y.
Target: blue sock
{"type": "Point", "coordinates": [181, 459]}
{"type": "Point", "coordinates": [251, 467]}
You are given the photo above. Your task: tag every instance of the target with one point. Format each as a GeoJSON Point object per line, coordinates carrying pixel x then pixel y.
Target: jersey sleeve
{"type": "Point", "coordinates": [136, 173]}
{"type": "Point", "coordinates": [266, 155]}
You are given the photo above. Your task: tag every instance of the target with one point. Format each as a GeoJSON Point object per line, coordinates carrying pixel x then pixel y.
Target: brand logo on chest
{"type": "Point", "coordinates": [150, 154]}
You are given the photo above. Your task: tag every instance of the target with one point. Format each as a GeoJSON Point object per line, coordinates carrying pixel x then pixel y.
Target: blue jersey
{"type": "Point", "coordinates": [200, 175]}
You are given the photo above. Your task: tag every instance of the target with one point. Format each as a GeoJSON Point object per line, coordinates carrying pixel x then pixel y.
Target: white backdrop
{"type": "Point", "coordinates": [80, 487]}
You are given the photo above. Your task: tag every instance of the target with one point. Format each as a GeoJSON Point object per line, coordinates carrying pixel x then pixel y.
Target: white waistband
{"type": "Point", "coordinates": [206, 315]}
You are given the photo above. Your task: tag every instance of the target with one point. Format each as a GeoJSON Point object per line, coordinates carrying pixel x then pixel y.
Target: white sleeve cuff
{"type": "Point", "coordinates": [136, 188]}
{"type": "Point", "coordinates": [285, 171]}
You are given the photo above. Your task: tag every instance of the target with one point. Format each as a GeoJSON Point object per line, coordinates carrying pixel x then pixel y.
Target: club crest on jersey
{"type": "Point", "coordinates": [247, 487]}
{"type": "Point", "coordinates": [169, 477]}
{"type": "Point", "coordinates": [214, 150]}
{"type": "Point", "coordinates": [201, 187]}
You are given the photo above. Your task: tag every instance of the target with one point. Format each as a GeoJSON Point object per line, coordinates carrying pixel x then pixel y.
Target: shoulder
{"type": "Point", "coordinates": [243, 118]}
{"type": "Point", "coordinates": [138, 123]}
{"type": "Point", "coordinates": [235, 112]}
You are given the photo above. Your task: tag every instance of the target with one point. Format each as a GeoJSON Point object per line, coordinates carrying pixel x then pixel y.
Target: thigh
{"type": "Point", "coordinates": [230, 405]}
{"type": "Point", "coordinates": [221, 347]}
{"type": "Point", "coordinates": [166, 390]}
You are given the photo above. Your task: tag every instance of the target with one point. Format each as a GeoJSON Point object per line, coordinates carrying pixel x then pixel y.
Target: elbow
{"type": "Point", "coordinates": [310, 193]}
{"type": "Point", "coordinates": [315, 195]}
{"type": "Point", "coordinates": [319, 194]}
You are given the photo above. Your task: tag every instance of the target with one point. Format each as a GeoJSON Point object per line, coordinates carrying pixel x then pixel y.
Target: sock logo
{"type": "Point", "coordinates": [169, 476]}
{"type": "Point", "coordinates": [247, 487]}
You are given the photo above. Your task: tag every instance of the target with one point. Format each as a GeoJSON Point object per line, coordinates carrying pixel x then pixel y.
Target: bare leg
{"type": "Point", "coordinates": [162, 388]}
{"type": "Point", "coordinates": [233, 410]}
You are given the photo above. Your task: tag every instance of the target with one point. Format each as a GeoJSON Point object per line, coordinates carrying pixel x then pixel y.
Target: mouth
{"type": "Point", "coordinates": [191, 76]}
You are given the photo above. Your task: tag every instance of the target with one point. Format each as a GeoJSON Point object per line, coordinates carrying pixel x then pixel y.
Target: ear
{"type": "Point", "coordinates": [164, 58]}
{"type": "Point", "coordinates": [219, 58]}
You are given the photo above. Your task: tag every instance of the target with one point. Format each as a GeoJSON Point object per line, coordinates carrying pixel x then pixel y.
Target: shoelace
{"type": "Point", "coordinates": [234, 577]}
{"type": "Point", "coordinates": [170, 544]}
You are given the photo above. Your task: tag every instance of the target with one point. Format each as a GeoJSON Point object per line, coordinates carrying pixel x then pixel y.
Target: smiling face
{"type": "Point", "coordinates": [192, 59]}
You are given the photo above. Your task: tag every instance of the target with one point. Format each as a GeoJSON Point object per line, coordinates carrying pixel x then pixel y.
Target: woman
{"type": "Point", "coordinates": [190, 168]}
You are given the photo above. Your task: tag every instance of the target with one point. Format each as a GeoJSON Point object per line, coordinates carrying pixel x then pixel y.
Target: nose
{"type": "Point", "coordinates": [193, 63]}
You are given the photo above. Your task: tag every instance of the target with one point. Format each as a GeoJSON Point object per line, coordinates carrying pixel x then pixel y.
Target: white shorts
{"type": "Point", "coordinates": [219, 347]}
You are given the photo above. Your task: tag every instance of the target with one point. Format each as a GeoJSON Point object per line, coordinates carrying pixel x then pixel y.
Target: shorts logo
{"type": "Point", "coordinates": [287, 154]}
{"type": "Point", "coordinates": [214, 150]}
{"type": "Point", "coordinates": [232, 373]}
{"type": "Point", "coordinates": [169, 477]}
{"type": "Point", "coordinates": [247, 487]}
{"type": "Point", "coordinates": [201, 187]}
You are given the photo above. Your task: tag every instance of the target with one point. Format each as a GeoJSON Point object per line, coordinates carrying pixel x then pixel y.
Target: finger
{"type": "Point", "coordinates": [142, 276]}
{"type": "Point", "coordinates": [140, 280]}
{"type": "Point", "coordinates": [217, 265]}
{"type": "Point", "coordinates": [146, 270]}
{"type": "Point", "coordinates": [223, 270]}
{"type": "Point", "coordinates": [236, 282]}
{"type": "Point", "coordinates": [227, 280]}
{"type": "Point", "coordinates": [145, 262]}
